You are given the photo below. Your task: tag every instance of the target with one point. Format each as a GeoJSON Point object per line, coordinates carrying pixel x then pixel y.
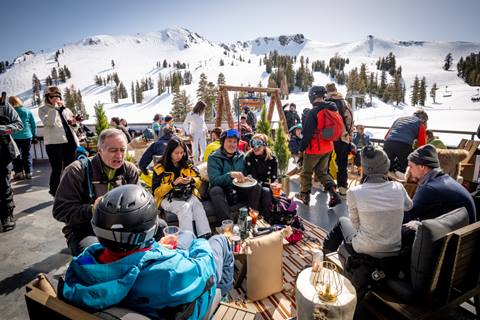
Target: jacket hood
{"type": "Point", "coordinates": [86, 279]}
{"type": "Point", "coordinates": [335, 96]}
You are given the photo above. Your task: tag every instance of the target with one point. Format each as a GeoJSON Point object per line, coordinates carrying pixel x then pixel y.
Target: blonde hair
{"type": "Point", "coordinates": [264, 138]}
{"type": "Point", "coordinates": [15, 101]}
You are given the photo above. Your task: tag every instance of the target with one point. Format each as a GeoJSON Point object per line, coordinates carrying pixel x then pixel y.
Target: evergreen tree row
{"type": "Point", "coordinates": [387, 63]}
{"type": "Point", "coordinates": [118, 92]}
{"type": "Point", "coordinates": [207, 92]}
{"type": "Point", "coordinates": [469, 69]}
{"type": "Point", "coordinates": [419, 92]}
{"type": "Point", "coordinates": [3, 66]}
{"type": "Point", "coordinates": [59, 76]}
{"type": "Point", "coordinates": [103, 81]}
{"type": "Point", "coordinates": [181, 105]}
{"type": "Point", "coordinates": [73, 101]}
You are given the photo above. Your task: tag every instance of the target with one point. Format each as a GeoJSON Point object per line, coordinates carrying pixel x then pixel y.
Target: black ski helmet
{"type": "Point", "coordinates": [315, 92]}
{"type": "Point", "coordinates": [125, 218]}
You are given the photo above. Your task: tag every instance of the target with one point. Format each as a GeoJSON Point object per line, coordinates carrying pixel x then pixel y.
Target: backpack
{"type": "Point", "coordinates": [82, 156]}
{"type": "Point", "coordinates": [330, 124]}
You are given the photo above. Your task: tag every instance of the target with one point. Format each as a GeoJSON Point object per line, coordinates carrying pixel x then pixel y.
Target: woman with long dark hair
{"type": "Point", "coordinates": [195, 126]}
{"type": "Point", "coordinates": [175, 187]}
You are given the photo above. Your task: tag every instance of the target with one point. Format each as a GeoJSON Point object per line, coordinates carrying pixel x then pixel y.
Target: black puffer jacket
{"type": "Point", "coordinates": [264, 171]}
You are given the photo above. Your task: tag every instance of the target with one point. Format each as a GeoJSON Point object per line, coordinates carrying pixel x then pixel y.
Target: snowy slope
{"type": "Point", "coordinates": [136, 57]}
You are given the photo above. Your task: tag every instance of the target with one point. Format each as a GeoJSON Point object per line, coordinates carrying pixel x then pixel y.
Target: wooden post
{"type": "Point", "coordinates": [228, 108]}
{"type": "Point", "coordinates": [270, 107]}
{"type": "Point", "coordinates": [281, 115]}
{"type": "Point", "coordinates": [218, 120]}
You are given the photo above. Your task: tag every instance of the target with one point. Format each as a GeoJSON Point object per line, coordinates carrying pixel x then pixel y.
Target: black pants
{"type": "Point", "coordinates": [397, 153]}
{"type": "Point", "coordinates": [6, 193]}
{"type": "Point", "coordinates": [59, 156]}
{"type": "Point", "coordinates": [23, 163]}
{"type": "Point", "coordinates": [341, 150]}
{"type": "Point", "coordinates": [222, 208]}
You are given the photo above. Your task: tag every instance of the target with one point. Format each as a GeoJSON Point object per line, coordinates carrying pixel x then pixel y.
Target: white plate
{"type": "Point", "coordinates": [247, 184]}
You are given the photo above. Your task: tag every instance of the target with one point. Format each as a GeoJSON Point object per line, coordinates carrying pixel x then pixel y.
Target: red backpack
{"type": "Point", "coordinates": [329, 124]}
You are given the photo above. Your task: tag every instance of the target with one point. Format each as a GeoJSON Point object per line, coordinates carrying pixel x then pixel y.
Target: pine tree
{"type": "Point", "coordinates": [113, 64]}
{"type": "Point", "coordinates": [102, 120]}
{"type": "Point", "coordinates": [222, 63]}
{"type": "Point", "coordinates": [202, 87]}
{"type": "Point", "coordinates": [132, 91]}
{"type": "Point", "coordinates": [221, 78]}
{"type": "Point", "coordinates": [415, 91]}
{"type": "Point", "coordinates": [181, 105]}
{"type": "Point", "coordinates": [422, 92]}
{"type": "Point", "coordinates": [448, 62]}
{"type": "Point", "coordinates": [139, 93]}
{"type": "Point", "coordinates": [281, 150]}
{"type": "Point", "coordinates": [54, 76]}
{"type": "Point", "coordinates": [160, 85]}
{"type": "Point", "coordinates": [114, 94]}
{"type": "Point", "coordinates": [61, 75]}
{"type": "Point", "coordinates": [164, 64]}
{"type": "Point", "coordinates": [122, 91]}
{"type": "Point", "coordinates": [263, 125]}
{"type": "Point", "coordinates": [397, 90]}
{"type": "Point", "coordinates": [433, 92]}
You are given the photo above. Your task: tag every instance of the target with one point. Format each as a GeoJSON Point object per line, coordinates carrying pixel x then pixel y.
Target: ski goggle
{"type": "Point", "coordinates": [257, 143]}
{"type": "Point", "coordinates": [231, 133]}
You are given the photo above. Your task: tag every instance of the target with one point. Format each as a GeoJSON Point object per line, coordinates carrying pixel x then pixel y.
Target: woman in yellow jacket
{"type": "Point", "coordinates": [175, 187]}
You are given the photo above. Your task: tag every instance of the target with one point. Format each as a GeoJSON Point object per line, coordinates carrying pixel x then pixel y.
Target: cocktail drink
{"type": "Point", "coordinates": [170, 238]}
{"type": "Point", "coordinates": [227, 226]}
{"type": "Point", "coordinates": [254, 216]}
{"type": "Point", "coordinates": [276, 189]}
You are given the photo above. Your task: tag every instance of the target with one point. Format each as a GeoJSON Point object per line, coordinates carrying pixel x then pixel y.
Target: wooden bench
{"type": "Point", "coordinates": [456, 277]}
{"type": "Point", "coordinates": [43, 303]}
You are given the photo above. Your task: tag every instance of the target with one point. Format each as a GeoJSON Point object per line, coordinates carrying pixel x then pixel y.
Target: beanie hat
{"type": "Point", "coordinates": [425, 155]}
{"type": "Point", "coordinates": [315, 92]}
{"type": "Point", "coordinates": [374, 161]}
{"type": "Point", "coordinates": [331, 87]}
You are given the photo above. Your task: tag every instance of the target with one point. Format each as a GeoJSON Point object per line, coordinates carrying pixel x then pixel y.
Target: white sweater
{"type": "Point", "coordinates": [376, 211]}
{"type": "Point", "coordinates": [53, 132]}
{"type": "Point", "coordinates": [194, 124]}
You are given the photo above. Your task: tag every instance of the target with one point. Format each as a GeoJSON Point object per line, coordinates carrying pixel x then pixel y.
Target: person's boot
{"type": "Point", "coordinates": [8, 223]}
{"type": "Point", "coordinates": [334, 198]}
{"type": "Point", "coordinates": [28, 176]}
{"type": "Point", "coordinates": [304, 197]}
{"type": "Point", "coordinates": [18, 176]}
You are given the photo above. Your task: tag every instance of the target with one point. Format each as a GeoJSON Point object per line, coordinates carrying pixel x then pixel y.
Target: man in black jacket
{"type": "Point", "coordinates": [84, 183]}
{"type": "Point", "coordinates": [10, 122]}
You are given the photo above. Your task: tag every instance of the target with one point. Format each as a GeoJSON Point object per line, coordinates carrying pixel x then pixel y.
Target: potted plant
{"type": "Point", "coordinates": [280, 147]}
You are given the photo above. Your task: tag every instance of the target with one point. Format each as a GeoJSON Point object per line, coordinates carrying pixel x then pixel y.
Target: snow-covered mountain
{"type": "Point", "coordinates": [136, 57]}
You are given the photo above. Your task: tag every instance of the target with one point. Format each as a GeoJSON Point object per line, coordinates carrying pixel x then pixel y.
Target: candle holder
{"type": "Point", "coordinates": [328, 282]}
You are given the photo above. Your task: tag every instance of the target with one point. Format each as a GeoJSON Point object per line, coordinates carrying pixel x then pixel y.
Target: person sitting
{"type": "Point", "coordinates": [115, 123]}
{"type": "Point", "coordinates": [175, 186]}
{"type": "Point", "coordinates": [437, 193]}
{"type": "Point", "coordinates": [215, 144]}
{"type": "Point", "coordinates": [360, 140]}
{"type": "Point", "coordinates": [375, 210]}
{"type": "Point", "coordinates": [129, 268]}
{"type": "Point", "coordinates": [243, 126]}
{"type": "Point", "coordinates": [84, 183]}
{"type": "Point", "coordinates": [155, 149]}
{"type": "Point", "coordinates": [295, 139]}
{"type": "Point", "coordinates": [433, 140]}
{"type": "Point", "coordinates": [223, 166]}
{"type": "Point", "coordinates": [156, 125]}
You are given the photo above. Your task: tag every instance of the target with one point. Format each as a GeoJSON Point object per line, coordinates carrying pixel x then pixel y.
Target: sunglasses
{"type": "Point", "coordinates": [255, 143]}
{"type": "Point", "coordinates": [55, 96]}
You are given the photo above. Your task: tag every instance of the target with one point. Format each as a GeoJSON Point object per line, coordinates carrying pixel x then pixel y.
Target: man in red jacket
{"type": "Point", "coordinates": [316, 151]}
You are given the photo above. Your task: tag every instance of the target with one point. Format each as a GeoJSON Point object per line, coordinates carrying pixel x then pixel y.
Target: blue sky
{"type": "Point", "coordinates": [48, 24]}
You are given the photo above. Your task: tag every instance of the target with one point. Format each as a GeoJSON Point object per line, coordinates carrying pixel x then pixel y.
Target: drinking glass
{"type": "Point", "coordinates": [276, 189]}
{"type": "Point", "coordinates": [170, 238]}
{"type": "Point", "coordinates": [254, 216]}
{"type": "Point", "coordinates": [227, 226]}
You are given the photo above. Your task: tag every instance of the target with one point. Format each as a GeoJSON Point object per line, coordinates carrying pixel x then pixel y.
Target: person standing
{"type": "Point", "coordinates": [195, 126]}
{"type": "Point", "coordinates": [399, 138]}
{"type": "Point", "coordinates": [22, 165]}
{"type": "Point", "coordinates": [60, 138]}
{"type": "Point", "coordinates": [291, 115]}
{"type": "Point", "coordinates": [10, 123]}
{"type": "Point", "coordinates": [342, 145]}
{"type": "Point", "coordinates": [251, 118]}
{"type": "Point", "coordinates": [316, 149]}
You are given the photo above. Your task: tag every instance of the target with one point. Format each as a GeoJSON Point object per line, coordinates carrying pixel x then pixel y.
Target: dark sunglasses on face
{"type": "Point", "coordinates": [55, 96]}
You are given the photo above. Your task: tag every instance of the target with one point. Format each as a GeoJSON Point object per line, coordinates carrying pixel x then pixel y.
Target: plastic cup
{"type": "Point", "coordinates": [254, 215]}
{"type": "Point", "coordinates": [276, 189]}
{"type": "Point", "coordinates": [170, 237]}
{"type": "Point", "coordinates": [227, 226]}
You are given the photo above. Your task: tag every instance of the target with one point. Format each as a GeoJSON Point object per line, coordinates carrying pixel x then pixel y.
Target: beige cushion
{"type": "Point", "coordinates": [264, 265]}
